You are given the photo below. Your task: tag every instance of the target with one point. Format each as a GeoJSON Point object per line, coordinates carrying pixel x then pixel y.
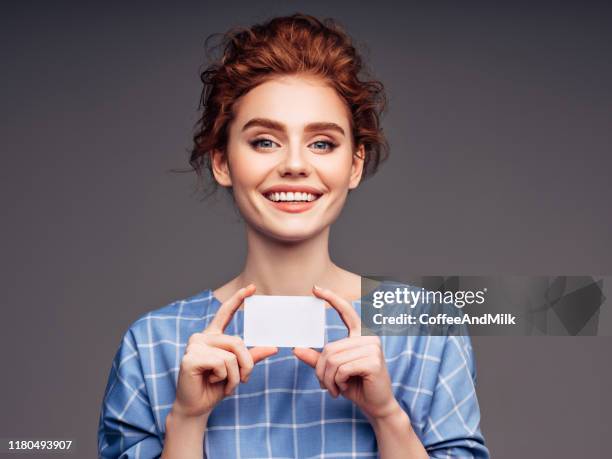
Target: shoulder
{"type": "Point", "coordinates": [188, 312]}
{"type": "Point", "coordinates": [153, 344]}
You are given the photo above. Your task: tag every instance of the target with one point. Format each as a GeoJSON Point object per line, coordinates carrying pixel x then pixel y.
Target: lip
{"type": "Point", "coordinates": [293, 188]}
{"type": "Point", "coordinates": [292, 207]}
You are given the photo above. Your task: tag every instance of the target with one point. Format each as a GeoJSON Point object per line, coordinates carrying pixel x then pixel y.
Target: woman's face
{"type": "Point", "coordinates": [290, 158]}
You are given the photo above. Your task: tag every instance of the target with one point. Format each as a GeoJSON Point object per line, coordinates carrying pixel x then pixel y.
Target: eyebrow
{"type": "Point", "coordinates": [277, 126]}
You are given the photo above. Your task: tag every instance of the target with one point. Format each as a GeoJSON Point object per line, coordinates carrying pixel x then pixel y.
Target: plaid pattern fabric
{"type": "Point", "coordinates": [282, 412]}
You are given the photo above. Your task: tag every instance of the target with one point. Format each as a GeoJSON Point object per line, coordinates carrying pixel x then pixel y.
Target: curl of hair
{"type": "Point", "coordinates": [287, 45]}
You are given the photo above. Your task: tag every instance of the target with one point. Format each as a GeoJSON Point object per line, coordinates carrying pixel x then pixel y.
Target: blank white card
{"type": "Point", "coordinates": [284, 321]}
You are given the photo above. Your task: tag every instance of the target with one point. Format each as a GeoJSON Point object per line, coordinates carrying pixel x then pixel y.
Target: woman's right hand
{"type": "Point", "coordinates": [215, 363]}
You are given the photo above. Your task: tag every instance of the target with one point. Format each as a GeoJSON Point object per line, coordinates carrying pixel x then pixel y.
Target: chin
{"type": "Point", "coordinates": [291, 234]}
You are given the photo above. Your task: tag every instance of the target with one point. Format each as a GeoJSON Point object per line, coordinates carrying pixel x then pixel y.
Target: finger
{"type": "Point", "coordinates": [235, 345]}
{"type": "Point", "coordinates": [233, 372]}
{"type": "Point", "coordinates": [345, 309]}
{"type": "Point", "coordinates": [223, 357]}
{"type": "Point", "coordinates": [200, 360]}
{"type": "Point", "coordinates": [361, 367]}
{"type": "Point", "coordinates": [334, 361]}
{"type": "Point", "coordinates": [227, 310]}
{"type": "Point", "coordinates": [349, 343]}
{"type": "Point", "coordinates": [307, 355]}
{"type": "Point", "coordinates": [261, 352]}
{"type": "Point", "coordinates": [339, 346]}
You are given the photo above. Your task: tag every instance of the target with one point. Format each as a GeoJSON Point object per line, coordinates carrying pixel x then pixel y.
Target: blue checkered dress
{"type": "Point", "coordinates": [282, 412]}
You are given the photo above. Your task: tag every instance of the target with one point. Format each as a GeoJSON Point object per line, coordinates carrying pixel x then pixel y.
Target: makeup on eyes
{"type": "Point", "coordinates": [331, 145]}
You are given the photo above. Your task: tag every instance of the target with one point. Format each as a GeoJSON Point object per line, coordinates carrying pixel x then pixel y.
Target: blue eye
{"type": "Point", "coordinates": [267, 144]}
{"type": "Point", "coordinates": [323, 145]}
{"type": "Point", "coordinates": [263, 143]}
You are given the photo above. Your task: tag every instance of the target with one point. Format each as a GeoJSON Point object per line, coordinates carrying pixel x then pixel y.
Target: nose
{"type": "Point", "coordinates": [294, 162]}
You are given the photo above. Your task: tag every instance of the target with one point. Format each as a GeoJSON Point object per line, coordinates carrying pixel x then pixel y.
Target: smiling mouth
{"type": "Point", "coordinates": [292, 196]}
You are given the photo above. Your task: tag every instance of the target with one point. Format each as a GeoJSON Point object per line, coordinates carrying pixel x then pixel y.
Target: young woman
{"type": "Point", "coordinates": [288, 128]}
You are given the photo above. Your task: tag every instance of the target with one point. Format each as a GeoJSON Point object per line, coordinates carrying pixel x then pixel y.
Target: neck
{"type": "Point", "coordinates": [288, 268]}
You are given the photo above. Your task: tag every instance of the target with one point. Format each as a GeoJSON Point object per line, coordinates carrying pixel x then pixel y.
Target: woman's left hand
{"type": "Point", "coordinates": [354, 366]}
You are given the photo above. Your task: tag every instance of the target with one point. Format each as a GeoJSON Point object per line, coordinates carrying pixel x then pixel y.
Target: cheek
{"type": "Point", "coordinates": [335, 170]}
{"type": "Point", "coordinates": [247, 170]}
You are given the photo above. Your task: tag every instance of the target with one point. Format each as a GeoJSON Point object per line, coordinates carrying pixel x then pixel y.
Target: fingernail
{"type": "Point", "coordinates": [316, 287]}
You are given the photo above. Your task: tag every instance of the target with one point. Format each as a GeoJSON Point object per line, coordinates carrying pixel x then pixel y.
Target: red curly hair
{"type": "Point", "coordinates": [287, 45]}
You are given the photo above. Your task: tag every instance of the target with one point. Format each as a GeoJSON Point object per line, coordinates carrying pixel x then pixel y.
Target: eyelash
{"type": "Point", "coordinates": [331, 145]}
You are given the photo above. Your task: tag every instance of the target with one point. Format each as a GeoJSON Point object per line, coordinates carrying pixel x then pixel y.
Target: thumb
{"type": "Point", "coordinates": [260, 352]}
{"type": "Point", "coordinates": [307, 355]}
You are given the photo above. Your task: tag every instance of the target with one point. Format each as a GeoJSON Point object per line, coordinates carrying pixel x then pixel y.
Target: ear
{"type": "Point", "coordinates": [357, 167]}
{"type": "Point", "coordinates": [220, 168]}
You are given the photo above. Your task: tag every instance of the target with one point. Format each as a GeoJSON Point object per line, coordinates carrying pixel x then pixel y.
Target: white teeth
{"type": "Point", "coordinates": [291, 196]}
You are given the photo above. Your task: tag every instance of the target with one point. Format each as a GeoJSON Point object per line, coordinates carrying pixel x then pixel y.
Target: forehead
{"type": "Point", "coordinates": [294, 101]}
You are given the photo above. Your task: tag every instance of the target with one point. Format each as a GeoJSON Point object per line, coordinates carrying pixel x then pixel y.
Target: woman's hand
{"type": "Point", "coordinates": [354, 366]}
{"type": "Point", "coordinates": [215, 363]}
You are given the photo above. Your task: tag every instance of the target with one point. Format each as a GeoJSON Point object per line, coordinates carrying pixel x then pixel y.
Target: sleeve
{"type": "Point", "coordinates": [127, 426]}
{"type": "Point", "coordinates": [452, 427]}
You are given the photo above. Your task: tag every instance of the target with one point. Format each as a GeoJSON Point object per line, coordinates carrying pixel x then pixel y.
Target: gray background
{"type": "Point", "coordinates": [499, 123]}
